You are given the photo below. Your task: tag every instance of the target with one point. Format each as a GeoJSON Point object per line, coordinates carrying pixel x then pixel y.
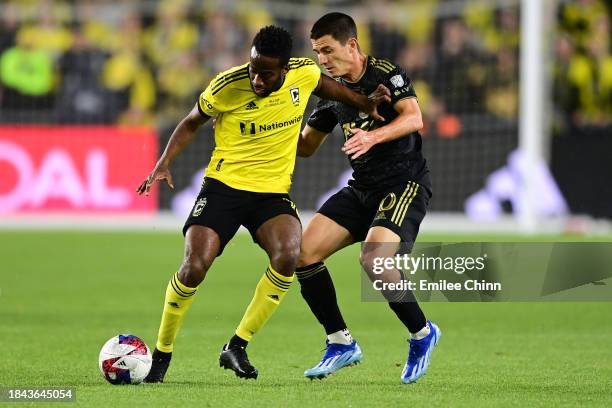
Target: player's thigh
{"type": "Point", "coordinates": [342, 219]}
{"type": "Point", "coordinates": [280, 237]}
{"type": "Point", "coordinates": [219, 208]}
{"type": "Point", "coordinates": [280, 231]}
{"type": "Point", "coordinates": [398, 218]}
{"type": "Point", "coordinates": [275, 225]}
{"type": "Point", "coordinates": [322, 237]}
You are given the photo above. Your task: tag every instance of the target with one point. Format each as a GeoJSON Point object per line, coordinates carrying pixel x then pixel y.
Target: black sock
{"type": "Point", "coordinates": [409, 312]}
{"type": "Point", "coordinates": [318, 291]}
{"type": "Point", "coordinates": [236, 342]}
{"type": "Point", "coordinates": [160, 355]}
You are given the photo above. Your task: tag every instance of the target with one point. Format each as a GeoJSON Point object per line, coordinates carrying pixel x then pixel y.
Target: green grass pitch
{"type": "Point", "coordinates": [63, 294]}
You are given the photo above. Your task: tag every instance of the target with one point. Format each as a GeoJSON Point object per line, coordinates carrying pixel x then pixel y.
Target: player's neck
{"type": "Point", "coordinates": [358, 68]}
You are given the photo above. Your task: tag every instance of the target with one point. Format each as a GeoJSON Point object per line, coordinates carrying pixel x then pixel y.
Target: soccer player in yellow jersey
{"type": "Point", "coordinates": [258, 108]}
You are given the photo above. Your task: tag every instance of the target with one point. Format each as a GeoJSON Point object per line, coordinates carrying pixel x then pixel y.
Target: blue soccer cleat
{"type": "Point", "coordinates": [336, 357]}
{"type": "Point", "coordinates": [419, 355]}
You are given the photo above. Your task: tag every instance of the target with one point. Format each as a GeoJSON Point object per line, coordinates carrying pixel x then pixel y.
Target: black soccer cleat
{"type": "Point", "coordinates": [236, 359]}
{"type": "Point", "coordinates": [160, 364]}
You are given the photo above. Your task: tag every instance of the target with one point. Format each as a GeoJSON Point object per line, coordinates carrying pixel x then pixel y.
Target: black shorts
{"type": "Point", "coordinates": [400, 208]}
{"type": "Point", "coordinates": [225, 209]}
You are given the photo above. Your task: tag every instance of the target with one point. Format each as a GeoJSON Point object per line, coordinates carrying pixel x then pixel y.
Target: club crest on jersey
{"type": "Point", "coordinates": [295, 95]}
{"type": "Point", "coordinates": [199, 207]}
{"type": "Point", "coordinates": [397, 81]}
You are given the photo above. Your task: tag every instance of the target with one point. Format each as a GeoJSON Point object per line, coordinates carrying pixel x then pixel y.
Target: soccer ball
{"type": "Point", "coordinates": [125, 359]}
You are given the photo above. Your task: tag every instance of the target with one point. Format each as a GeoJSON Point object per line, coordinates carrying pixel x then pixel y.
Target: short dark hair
{"type": "Point", "coordinates": [273, 41]}
{"type": "Point", "coordinates": [339, 25]}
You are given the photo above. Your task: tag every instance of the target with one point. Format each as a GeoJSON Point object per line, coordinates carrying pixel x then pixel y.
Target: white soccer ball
{"type": "Point", "coordinates": [125, 359]}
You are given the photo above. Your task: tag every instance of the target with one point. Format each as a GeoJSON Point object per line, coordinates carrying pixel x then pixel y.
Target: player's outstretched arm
{"type": "Point", "coordinates": [309, 141]}
{"type": "Point", "coordinates": [332, 90]}
{"type": "Point", "coordinates": [409, 120]}
{"type": "Point", "coordinates": [181, 137]}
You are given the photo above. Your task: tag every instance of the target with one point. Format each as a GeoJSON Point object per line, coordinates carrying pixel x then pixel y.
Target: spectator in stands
{"type": "Point", "coordinates": [172, 33]}
{"type": "Point", "coordinates": [494, 29]}
{"type": "Point", "coordinates": [418, 61]}
{"type": "Point", "coordinates": [600, 74]}
{"type": "Point", "coordinates": [9, 23]}
{"type": "Point", "coordinates": [81, 97]}
{"type": "Point", "coordinates": [252, 17]}
{"type": "Point", "coordinates": [583, 77]}
{"type": "Point", "coordinates": [26, 74]}
{"type": "Point", "coordinates": [502, 86]}
{"type": "Point", "coordinates": [129, 77]}
{"type": "Point", "coordinates": [578, 19]}
{"type": "Point", "coordinates": [30, 12]}
{"type": "Point", "coordinates": [100, 25]}
{"type": "Point", "coordinates": [222, 42]}
{"type": "Point", "coordinates": [384, 37]}
{"type": "Point", "coordinates": [179, 84]}
{"type": "Point", "coordinates": [418, 21]}
{"type": "Point", "coordinates": [48, 33]}
{"type": "Point", "coordinates": [460, 70]}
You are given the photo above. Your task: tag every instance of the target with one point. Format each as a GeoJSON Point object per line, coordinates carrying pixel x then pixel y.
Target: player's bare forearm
{"type": "Point", "coordinates": [181, 137]}
{"type": "Point", "coordinates": [309, 141]}
{"type": "Point", "coordinates": [409, 120]}
{"type": "Point", "coordinates": [303, 150]}
{"type": "Point", "coordinates": [332, 90]}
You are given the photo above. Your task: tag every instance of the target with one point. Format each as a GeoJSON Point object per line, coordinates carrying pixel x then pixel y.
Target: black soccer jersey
{"type": "Point", "coordinates": [385, 164]}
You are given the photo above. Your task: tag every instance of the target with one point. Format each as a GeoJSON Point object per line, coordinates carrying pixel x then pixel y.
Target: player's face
{"type": "Point", "coordinates": [266, 73]}
{"type": "Point", "coordinates": [335, 57]}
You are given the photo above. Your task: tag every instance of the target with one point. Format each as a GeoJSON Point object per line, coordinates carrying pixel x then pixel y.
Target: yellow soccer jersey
{"type": "Point", "coordinates": [256, 137]}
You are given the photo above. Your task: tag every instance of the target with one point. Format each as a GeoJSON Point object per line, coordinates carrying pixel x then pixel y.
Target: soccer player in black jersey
{"type": "Point", "coordinates": [382, 206]}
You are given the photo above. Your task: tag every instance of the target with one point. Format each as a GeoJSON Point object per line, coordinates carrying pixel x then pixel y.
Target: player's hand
{"type": "Point", "coordinates": [359, 143]}
{"type": "Point", "coordinates": [380, 95]}
{"type": "Point", "coordinates": [159, 173]}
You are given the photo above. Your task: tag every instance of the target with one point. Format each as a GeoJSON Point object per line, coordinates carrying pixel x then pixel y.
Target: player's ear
{"type": "Point", "coordinates": [285, 69]}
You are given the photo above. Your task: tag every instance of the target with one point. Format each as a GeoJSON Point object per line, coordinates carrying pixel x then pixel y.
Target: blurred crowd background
{"type": "Point", "coordinates": [135, 63]}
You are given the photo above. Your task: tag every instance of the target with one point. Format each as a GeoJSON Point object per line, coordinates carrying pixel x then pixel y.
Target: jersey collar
{"type": "Point", "coordinates": [366, 64]}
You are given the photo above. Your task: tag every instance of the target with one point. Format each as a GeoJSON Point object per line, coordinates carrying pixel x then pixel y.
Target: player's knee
{"type": "Point", "coordinates": [308, 257]}
{"type": "Point", "coordinates": [368, 260]}
{"type": "Point", "coordinates": [285, 257]}
{"type": "Point", "coordinates": [193, 270]}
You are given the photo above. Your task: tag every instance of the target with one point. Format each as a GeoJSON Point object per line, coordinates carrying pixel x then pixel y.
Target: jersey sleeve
{"type": "Point", "coordinates": [399, 84]}
{"type": "Point", "coordinates": [323, 117]}
{"type": "Point", "coordinates": [208, 104]}
{"type": "Point", "coordinates": [313, 74]}
{"type": "Point", "coordinates": [217, 97]}
{"type": "Point", "coordinates": [307, 71]}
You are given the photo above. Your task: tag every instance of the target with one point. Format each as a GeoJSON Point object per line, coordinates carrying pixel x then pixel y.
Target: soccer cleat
{"type": "Point", "coordinates": [236, 359]}
{"type": "Point", "coordinates": [336, 356]}
{"type": "Point", "coordinates": [160, 364]}
{"type": "Point", "coordinates": [419, 355]}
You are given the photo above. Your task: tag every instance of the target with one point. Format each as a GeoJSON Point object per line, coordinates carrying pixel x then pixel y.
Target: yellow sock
{"type": "Point", "coordinates": [178, 299]}
{"type": "Point", "coordinates": [269, 292]}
